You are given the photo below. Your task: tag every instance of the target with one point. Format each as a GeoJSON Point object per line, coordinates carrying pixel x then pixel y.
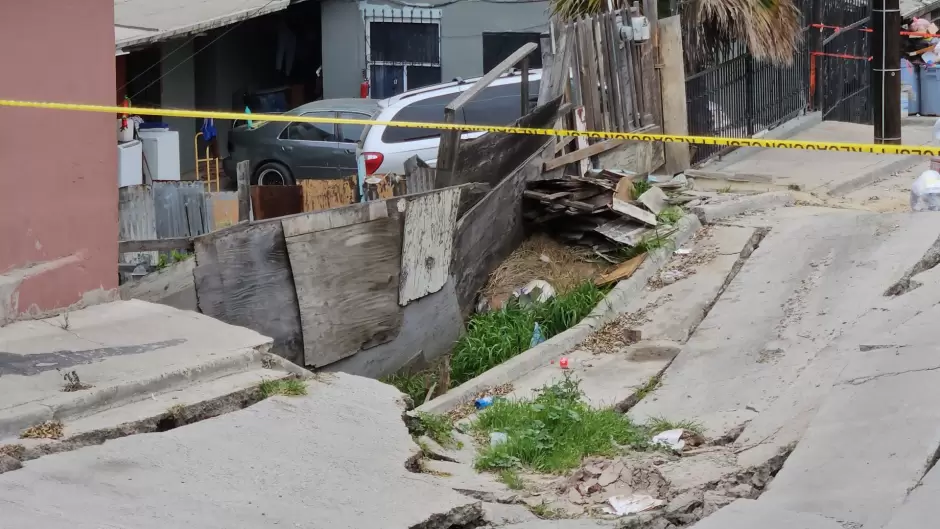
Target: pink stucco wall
{"type": "Point", "coordinates": [58, 174]}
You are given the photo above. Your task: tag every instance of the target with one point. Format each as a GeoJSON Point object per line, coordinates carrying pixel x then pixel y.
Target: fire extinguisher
{"type": "Point", "coordinates": [364, 89]}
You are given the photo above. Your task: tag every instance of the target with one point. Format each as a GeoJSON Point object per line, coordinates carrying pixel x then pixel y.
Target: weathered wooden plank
{"type": "Point", "coordinates": [589, 92]}
{"type": "Point", "coordinates": [628, 76]}
{"type": "Point", "coordinates": [546, 85]}
{"type": "Point", "coordinates": [243, 277]}
{"type": "Point", "coordinates": [326, 194]}
{"type": "Point", "coordinates": [449, 146]}
{"type": "Point", "coordinates": [581, 154]}
{"type": "Point", "coordinates": [600, 45]}
{"type": "Point", "coordinates": [156, 245]}
{"type": "Point", "coordinates": [628, 209]}
{"type": "Point", "coordinates": [347, 288]}
{"type": "Point", "coordinates": [650, 84]}
{"type": "Point", "coordinates": [243, 180]}
{"type": "Point", "coordinates": [622, 231]}
{"type": "Point", "coordinates": [428, 243]}
{"type": "Point", "coordinates": [489, 158]}
{"type": "Point", "coordinates": [489, 232]}
{"type": "Point", "coordinates": [675, 112]}
{"type": "Point", "coordinates": [334, 218]}
{"type": "Point", "coordinates": [613, 68]}
{"type": "Point", "coordinates": [419, 178]}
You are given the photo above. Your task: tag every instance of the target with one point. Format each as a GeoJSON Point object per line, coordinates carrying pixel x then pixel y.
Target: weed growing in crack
{"type": "Point", "coordinates": [648, 388]}
{"type": "Point", "coordinates": [176, 411]}
{"type": "Point", "coordinates": [640, 186]}
{"type": "Point", "coordinates": [543, 511]}
{"type": "Point", "coordinates": [65, 321]}
{"type": "Point", "coordinates": [290, 387]}
{"type": "Point", "coordinates": [415, 385]}
{"type": "Point", "coordinates": [554, 431]}
{"type": "Point", "coordinates": [670, 215]}
{"type": "Point", "coordinates": [511, 479]}
{"type": "Point", "coordinates": [657, 425]}
{"type": "Point", "coordinates": [437, 427]}
{"type": "Point", "coordinates": [72, 382]}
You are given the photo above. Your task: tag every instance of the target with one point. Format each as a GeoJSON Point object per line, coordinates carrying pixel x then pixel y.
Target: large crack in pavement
{"type": "Point", "coordinates": [930, 259]}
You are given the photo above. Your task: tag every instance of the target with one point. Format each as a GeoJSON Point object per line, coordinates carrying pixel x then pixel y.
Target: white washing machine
{"type": "Point", "coordinates": [161, 154]}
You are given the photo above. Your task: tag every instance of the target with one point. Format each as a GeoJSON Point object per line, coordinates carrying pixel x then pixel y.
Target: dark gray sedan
{"type": "Point", "coordinates": [281, 153]}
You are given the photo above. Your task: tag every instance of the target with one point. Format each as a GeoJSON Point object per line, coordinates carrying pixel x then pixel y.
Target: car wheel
{"type": "Point", "coordinates": [273, 174]}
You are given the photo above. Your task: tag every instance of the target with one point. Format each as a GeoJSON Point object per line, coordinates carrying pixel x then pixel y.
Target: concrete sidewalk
{"type": "Point", "coordinates": [124, 352]}
{"type": "Point", "coordinates": [334, 458]}
{"type": "Point", "coordinates": [824, 172]}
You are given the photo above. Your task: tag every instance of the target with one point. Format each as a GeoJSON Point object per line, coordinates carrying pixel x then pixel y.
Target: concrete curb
{"type": "Point", "coordinates": [709, 213]}
{"type": "Point", "coordinates": [605, 311]}
{"type": "Point", "coordinates": [73, 405]}
{"type": "Point", "coordinates": [869, 178]}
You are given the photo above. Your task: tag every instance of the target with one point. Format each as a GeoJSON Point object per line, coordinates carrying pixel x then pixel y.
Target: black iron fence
{"type": "Point", "coordinates": [843, 71]}
{"type": "Point", "coordinates": [739, 96]}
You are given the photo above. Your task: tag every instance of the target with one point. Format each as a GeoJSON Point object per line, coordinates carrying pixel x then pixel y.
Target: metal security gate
{"type": "Point", "coordinates": [843, 71]}
{"type": "Point", "coordinates": [739, 96]}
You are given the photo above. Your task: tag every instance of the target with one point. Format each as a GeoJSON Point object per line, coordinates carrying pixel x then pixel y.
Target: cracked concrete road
{"type": "Point", "coordinates": [332, 459]}
{"type": "Point", "coordinates": [805, 347]}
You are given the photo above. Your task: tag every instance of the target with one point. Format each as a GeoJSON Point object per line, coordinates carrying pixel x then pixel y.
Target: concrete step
{"type": "Point", "coordinates": [124, 353]}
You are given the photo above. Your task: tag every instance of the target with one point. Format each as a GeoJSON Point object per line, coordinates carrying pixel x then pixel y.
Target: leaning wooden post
{"type": "Point", "coordinates": [525, 87]}
{"type": "Point", "coordinates": [244, 190]}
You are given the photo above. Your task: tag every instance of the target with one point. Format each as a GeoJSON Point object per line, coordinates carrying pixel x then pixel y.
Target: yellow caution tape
{"type": "Point", "coordinates": [918, 150]}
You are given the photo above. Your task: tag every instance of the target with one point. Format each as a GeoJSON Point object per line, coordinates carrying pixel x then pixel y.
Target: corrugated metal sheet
{"type": "Point", "coordinates": [181, 209]}
{"type": "Point", "coordinates": [136, 221]}
{"type": "Point", "coordinates": [138, 22]}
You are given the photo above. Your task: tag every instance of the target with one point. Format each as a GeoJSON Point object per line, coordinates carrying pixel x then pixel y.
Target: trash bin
{"type": "Point", "coordinates": [930, 90]}
{"type": "Point", "coordinates": [910, 79]}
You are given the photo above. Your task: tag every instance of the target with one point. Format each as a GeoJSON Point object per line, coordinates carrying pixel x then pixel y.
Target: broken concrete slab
{"type": "Point", "coordinates": [810, 281]}
{"type": "Point", "coordinates": [710, 213]}
{"type": "Point", "coordinates": [584, 523]}
{"type": "Point", "coordinates": [920, 507]}
{"type": "Point", "coordinates": [283, 462]}
{"type": "Point", "coordinates": [873, 438]}
{"type": "Point", "coordinates": [654, 199]}
{"type": "Point", "coordinates": [173, 286]}
{"type": "Point", "coordinates": [122, 352]}
{"type": "Point", "coordinates": [558, 345]}
{"type": "Point", "coordinates": [749, 514]}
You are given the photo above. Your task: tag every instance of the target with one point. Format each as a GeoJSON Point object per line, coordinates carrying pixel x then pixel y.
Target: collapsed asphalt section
{"type": "Point", "coordinates": [333, 458]}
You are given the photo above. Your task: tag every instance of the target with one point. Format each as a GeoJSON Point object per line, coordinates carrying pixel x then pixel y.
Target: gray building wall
{"type": "Point", "coordinates": [462, 28]}
{"type": "Point", "coordinates": [178, 91]}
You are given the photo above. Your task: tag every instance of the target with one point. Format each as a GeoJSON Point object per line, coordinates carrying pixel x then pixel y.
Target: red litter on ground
{"type": "Point", "coordinates": [563, 362]}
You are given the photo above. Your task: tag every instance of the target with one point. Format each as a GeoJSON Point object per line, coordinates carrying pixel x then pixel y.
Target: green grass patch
{"type": "Point", "coordinates": [494, 337]}
{"type": "Point", "coordinates": [648, 388]}
{"type": "Point", "coordinates": [415, 385]}
{"type": "Point", "coordinates": [670, 215]}
{"type": "Point", "coordinates": [554, 431]}
{"type": "Point", "coordinates": [437, 427]}
{"type": "Point", "coordinates": [511, 478]}
{"type": "Point", "coordinates": [658, 425]}
{"type": "Point", "coordinates": [641, 186]}
{"type": "Point", "coordinates": [290, 387]}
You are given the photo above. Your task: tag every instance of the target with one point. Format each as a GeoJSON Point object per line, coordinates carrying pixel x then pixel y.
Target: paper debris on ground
{"type": "Point", "coordinates": [670, 439]}
{"type": "Point", "coordinates": [632, 504]}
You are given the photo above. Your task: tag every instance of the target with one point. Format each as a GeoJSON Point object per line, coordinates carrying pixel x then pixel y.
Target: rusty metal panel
{"type": "Point", "coordinates": [181, 209]}
{"type": "Point", "coordinates": [268, 202]}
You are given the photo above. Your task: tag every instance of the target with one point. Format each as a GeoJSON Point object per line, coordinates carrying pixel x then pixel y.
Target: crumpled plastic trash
{"type": "Point", "coordinates": [498, 438]}
{"type": "Point", "coordinates": [535, 290]}
{"type": "Point", "coordinates": [925, 192]}
{"type": "Point", "coordinates": [632, 504]}
{"type": "Point", "coordinates": [670, 439]}
{"type": "Point", "coordinates": [537, 336]}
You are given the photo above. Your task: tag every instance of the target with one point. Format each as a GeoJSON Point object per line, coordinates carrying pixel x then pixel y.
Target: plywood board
{"type": "Point", "coordinates": [224, 207]}
{"type": "Point", "coordinates": [268, 202]}
{"type": "Point", "coordinates": [243, 277]}
{"type": "Point", "coordinates": [326, 194]}
{"type": "Point", "coordinates": [334, 218]}
{"type": "Point", "coordinates": [428, 242]}
{"type": "Point", "coordinates": [347, 288]}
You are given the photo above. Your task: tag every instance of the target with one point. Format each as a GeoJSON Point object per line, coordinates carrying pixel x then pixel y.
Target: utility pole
{"type": "Point", "coordinates": [886, 70]}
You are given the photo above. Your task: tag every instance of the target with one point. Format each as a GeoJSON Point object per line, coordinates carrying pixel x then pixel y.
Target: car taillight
{"type": "Point", "coordinates": [373, 161]}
